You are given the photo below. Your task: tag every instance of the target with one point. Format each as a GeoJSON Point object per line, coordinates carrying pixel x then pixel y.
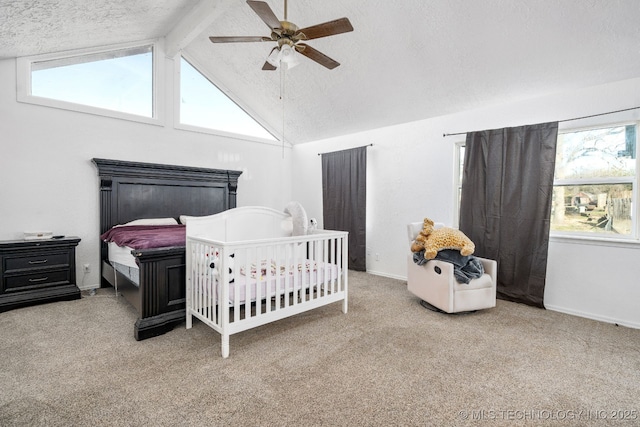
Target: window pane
{"type": "Point", "coordinates": [607, 152]}
{"type": "Point", "coordinates": [203, 104]}
{"type": "Point", "coordinates": [120, 80]}
{"type": "Point", "coordinates": [592, 208]}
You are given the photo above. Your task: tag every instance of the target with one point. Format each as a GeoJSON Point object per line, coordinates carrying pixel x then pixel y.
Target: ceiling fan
{"type": "Point", "coordinates": [289, 37]}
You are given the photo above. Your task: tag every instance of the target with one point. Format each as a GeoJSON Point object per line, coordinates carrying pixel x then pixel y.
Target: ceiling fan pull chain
{"type": "Point", "coordinates": [283, 68]}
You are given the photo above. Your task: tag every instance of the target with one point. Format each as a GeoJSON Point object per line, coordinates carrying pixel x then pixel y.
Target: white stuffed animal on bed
{"type": "Point", "coordinates": [230, 264]}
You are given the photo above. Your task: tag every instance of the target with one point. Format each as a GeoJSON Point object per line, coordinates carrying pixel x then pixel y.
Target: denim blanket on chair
{"type": "Point", "coordinates": [465, 268]}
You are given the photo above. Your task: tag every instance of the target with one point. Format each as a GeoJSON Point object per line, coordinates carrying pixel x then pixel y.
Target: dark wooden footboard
{"type": "Point", "coordinates": [159, 299]}
{"type": "Point", "coordinates": [162, 291]}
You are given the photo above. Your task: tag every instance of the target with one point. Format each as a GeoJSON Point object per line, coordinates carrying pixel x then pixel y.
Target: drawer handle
{"type": "Point", "coordinates": [38, 262]}
{"type": "Point", "coordinates": [41, 279]}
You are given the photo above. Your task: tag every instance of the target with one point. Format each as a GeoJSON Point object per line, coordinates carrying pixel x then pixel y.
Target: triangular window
{"type": "Point", "coordinates": [203, 105]}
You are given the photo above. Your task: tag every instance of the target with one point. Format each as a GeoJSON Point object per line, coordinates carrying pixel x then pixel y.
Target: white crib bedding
{"type": "Point", "coordinates": [271, 285]}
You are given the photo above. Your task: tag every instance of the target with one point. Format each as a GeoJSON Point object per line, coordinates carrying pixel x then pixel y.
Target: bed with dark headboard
{"type": "Point", "coordinates": [133, 190]}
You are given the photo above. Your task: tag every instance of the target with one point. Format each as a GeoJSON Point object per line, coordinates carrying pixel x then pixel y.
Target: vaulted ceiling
{"type": "Point", "coordinates": [406, 60]}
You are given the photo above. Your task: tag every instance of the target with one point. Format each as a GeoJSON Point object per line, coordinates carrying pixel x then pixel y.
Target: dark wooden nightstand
{"type": "Point", "coordinates": [37, 271]}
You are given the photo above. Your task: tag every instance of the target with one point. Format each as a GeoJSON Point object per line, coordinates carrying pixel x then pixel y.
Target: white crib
{"type": "Point", "coordinates": [274, 273]}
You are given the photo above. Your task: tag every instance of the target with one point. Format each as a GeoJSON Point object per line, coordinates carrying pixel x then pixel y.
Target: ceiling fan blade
{"type": "Point", "coordinates": [265, 13]}
{"type": "Point", "coordinates": [242, 39]}
{"type": "Point", "coordinates": [330, 28]}
{"type": "Point", "coordinates": [268, 67]}
{"type": "Point", "coordinates": [316, 55]}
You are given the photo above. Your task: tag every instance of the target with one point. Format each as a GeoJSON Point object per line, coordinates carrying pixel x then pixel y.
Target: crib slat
{"type": "Point", "coordinates": [334, 257]}
{"type": "Point", "coordinates": [236, 292]}
{"type": "Point", "coordinates": [325, 266]}
{"type": "Point", "coordinates": [282, 266]}
{"type": "Point", "coordinates": [212, 287]}
{"type": "Point", "coordinates": [199, 278]}
{"type": "Point", "coordinates": [247, 257]}
{"type": "Point", "coordinates": [259, 284]}
{"type": "Point", "coordinates": [271, 277]}
{"type": "Point", "coordinates": [288, 255]}
{"type": "Point", "coordinates": [344, 270]}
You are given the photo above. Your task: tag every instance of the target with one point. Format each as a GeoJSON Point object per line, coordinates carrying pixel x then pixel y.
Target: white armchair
{"type": "Point", "coordinates": [435, 284]}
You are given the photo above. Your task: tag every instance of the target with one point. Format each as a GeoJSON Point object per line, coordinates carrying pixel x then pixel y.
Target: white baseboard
{"type": "Point", "coordinates": [390, 276]}
{"type": "Point", "coordinates": [606, 319]}
{"type": "Point", "coordinates": [87, 287]}
{"type": "Point", "coordinates": [592, 316]}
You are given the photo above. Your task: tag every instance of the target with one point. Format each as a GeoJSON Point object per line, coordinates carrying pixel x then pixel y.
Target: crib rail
{"type": "Point", "coordinates": [235, 286]}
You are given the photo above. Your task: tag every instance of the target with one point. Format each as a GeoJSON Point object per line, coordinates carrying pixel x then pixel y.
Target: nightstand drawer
{"type": "Point", "coordinates": [36, 261]}
{"type": "Point", "coordinates": [36, 280]}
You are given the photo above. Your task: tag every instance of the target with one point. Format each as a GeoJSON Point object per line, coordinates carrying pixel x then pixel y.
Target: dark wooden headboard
{"type": "Point", "coordinates": [134, 190]}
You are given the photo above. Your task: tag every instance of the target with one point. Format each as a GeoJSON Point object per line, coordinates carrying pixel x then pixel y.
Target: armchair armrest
{"type": "Point", "coordinates": [490, 268]}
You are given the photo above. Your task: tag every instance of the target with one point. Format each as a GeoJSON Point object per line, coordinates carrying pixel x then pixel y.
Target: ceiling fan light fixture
{"type": "Point", "coordinates": [274, 58]}
{"type": "Point", "coordinates": [289, 56]}
{"type": "Point", "coordinates": [285, 55]}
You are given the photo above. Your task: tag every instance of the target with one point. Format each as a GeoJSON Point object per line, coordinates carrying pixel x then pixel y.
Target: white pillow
{"type": "Point", "coordinates": [185, 218]}
{"type": "Point", "coordinates": [151, 221]}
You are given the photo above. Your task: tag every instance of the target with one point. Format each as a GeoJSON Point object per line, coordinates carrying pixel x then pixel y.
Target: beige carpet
{"type": "Point", "coordinates": [387, 362]}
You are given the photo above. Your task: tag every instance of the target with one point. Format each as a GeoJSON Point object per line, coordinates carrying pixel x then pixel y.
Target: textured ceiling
{"type": "Point", "coordinates": [406, 60]}
{"type": "Point", "coordinates": [30, 27]}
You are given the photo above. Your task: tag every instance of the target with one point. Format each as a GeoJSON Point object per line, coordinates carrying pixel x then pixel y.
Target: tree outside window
{"type": "Point", "coordinates": [594, 181]}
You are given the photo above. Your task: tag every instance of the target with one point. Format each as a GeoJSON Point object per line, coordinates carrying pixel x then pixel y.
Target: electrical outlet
{"type": "Point", "coordinates": [377, 257]}
{"type": "Point", "coordinates": [86, 268]}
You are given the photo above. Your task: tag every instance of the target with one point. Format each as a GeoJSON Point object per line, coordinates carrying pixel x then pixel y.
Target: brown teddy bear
{"type": "Point", "coordinates": [433, 241]}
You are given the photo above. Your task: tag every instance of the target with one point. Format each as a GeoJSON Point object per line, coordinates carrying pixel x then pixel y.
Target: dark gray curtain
{"type": "Point", "coordinates": [344, 191]}
{"type": "Point", "coordinates": [505, 204]}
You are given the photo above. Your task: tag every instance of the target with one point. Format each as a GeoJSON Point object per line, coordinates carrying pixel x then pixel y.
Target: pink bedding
{"type": "Point", "coordinates": [147, 236]}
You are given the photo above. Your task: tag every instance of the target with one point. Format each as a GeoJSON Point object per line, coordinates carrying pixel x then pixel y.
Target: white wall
{"type": "Point", "coordinates": [410, 176]}
{"type": "Point", "coordinates": [47, 180]}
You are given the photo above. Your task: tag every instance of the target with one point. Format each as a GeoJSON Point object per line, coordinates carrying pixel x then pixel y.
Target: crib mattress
{"type": "Point", "coordinates": [247, 286]}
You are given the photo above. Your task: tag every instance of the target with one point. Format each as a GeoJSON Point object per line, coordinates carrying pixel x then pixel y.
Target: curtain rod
{"type": "Point", "coordinates": [565, 120]}
{"type": "Point", "coordinates": [368, 145]}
